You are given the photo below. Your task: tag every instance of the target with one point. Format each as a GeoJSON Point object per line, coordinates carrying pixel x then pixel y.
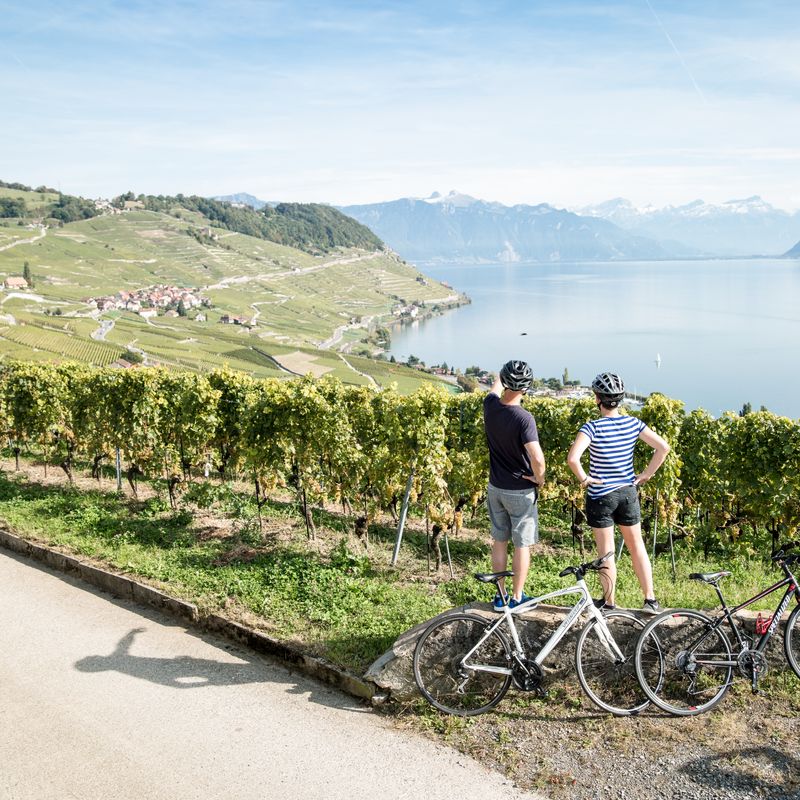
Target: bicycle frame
{"type": "Point", "coordinates": [727, 615]}
{"type": "Point", "coordinates": [583, 603]}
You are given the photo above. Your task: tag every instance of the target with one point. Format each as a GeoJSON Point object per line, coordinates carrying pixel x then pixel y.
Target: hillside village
{"type": "Point", "coordinates": [171, 300]}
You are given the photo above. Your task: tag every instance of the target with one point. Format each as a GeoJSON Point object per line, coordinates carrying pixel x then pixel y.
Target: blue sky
{"type": "Point", "coordinates": [350, 102]}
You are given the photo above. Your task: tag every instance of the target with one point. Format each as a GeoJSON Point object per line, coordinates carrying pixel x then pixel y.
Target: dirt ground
{"type": "Point", "coordinates": [748, 748]}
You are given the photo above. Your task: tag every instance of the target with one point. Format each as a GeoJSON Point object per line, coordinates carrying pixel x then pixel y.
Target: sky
{"type": "Point", "coordinates": [563, 102]}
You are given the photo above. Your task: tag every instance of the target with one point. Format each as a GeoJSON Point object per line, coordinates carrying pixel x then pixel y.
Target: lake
{"type": "Point", "coordinates": [726, 331]}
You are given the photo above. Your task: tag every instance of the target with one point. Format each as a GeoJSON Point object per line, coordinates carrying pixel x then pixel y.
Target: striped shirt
{"type": "Point", "coordinates": [611, 443]}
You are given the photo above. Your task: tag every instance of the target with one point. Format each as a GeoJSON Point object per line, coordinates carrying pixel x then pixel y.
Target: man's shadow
{"type": "Point", "coordinates": [181, 672]}
{"type": "Point", "coordinates": [188, 672]}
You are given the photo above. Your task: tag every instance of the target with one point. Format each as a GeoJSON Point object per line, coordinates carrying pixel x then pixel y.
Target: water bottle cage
{"type": "Point", "coordinates": [762, 624]}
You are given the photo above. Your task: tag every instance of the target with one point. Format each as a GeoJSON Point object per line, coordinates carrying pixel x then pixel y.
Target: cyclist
{"type": "Point", "coordinates": [516, 470]}
{"type": "Point", "coordinates": [612, 495]}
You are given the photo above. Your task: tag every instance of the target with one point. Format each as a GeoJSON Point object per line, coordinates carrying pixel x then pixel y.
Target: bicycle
{"type": "Point", "coordinates": [685, 661]}
{"type": "Point", "coordinates": [464, 664]}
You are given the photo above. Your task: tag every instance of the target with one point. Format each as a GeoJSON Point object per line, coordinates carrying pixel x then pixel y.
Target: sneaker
{"type": "Point", "coordinates": [601, 604]}
{"type": "Point", "coordinates": [499, 602]}
{"type": "Point", "coordinates": [651, 607]}
{"type": "Point", "coordinates": [512, 603]}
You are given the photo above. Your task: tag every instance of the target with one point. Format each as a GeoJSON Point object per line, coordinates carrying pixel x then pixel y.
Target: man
{"type": "Point", "coordinates": [516, 471]}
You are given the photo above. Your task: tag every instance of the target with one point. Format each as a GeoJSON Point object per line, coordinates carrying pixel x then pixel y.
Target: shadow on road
{"type": "Point", "coordinates": [754, 772]}
{"type": "Point", "coordinates": [181, 672]}
{"type": "Point", "coordinates": [190, 672]}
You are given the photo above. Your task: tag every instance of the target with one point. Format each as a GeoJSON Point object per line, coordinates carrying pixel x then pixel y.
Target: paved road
{"type": "Point", "coordinates": [102, 699]}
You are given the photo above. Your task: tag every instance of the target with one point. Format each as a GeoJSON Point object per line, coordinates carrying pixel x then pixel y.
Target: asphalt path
{"type": "Point", "coordinates": [103, 699]}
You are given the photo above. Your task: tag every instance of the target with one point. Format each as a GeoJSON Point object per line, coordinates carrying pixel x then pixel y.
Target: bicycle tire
{"type": "Point", "coordinates": [791, 641]}
{"type": "Point", "coordinates": [443, 679]}
{"type": "Point", "coordinates": [667, 667]}
{"type": "Point", "coordinates": [609, 684]}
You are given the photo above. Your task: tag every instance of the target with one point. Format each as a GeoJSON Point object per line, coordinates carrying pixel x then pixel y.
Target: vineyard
{"type": "Point", "coordinates": [85, 350]}
{"type": "Point", "coordinates": [731, 482]}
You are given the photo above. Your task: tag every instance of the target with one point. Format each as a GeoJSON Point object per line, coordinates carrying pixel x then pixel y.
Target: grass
{"type": "Point", "coordinates": [334, 601]}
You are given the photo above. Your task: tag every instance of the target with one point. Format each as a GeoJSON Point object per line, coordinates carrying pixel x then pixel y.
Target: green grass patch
{"type": "Point", "coordinates": [338, 604]}
{"type": "Point", "coordinates": [334, 597]}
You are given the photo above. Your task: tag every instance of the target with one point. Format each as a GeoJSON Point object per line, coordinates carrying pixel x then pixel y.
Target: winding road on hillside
{"type": "Point", "coordinates": [41, 235]}
{"type": "Point", "coordinates": [106, 326]}
{"type": "Point", "coordinates": [103, 699]}
{"type": "Point", "coordinates": [238, 279]}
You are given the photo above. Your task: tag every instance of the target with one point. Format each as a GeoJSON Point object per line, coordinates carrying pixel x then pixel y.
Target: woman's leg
{"type": "Point", "coordinates": [604, 537]}
{"type": "Point", "coordinates": [632, 534]}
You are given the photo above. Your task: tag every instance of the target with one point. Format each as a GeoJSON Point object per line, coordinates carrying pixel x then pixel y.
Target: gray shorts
{"type": "Point", "coordinates": [514, 514]}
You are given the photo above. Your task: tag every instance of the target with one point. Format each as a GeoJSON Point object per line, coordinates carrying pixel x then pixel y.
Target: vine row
{"type": "Point", "coordinates": [732, 479]}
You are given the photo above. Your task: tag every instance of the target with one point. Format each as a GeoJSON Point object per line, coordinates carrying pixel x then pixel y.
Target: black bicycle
{"type": "Point", "coordinates": [685, 661]}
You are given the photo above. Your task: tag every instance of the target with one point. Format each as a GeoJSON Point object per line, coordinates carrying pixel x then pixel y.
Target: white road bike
{"type": "Point", "coordinates": [464, 663]}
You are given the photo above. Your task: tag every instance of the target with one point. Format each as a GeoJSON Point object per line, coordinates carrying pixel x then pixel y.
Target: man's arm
{"type": "Point", "coordinates": [497, 387]}
{"type": "Point", "coordinates": [536, 456]}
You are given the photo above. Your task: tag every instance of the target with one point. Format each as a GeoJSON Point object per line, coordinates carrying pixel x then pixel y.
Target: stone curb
{"type": "Point", "coordinates": [129, 589]}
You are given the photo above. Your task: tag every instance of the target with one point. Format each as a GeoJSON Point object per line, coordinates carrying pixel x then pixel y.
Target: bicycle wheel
{"type": "Point", "coordinates": [680, 662]}
{"type": "Point", "coordinates": [791, 641]}
{"type": "Point", "coordinates": [607, 681]}
{"type": "Point", "coordinates": [452, 683]}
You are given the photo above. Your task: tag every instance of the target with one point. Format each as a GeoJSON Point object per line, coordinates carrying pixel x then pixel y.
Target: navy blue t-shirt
{"type": "Point", "coordinates": [508, 430]}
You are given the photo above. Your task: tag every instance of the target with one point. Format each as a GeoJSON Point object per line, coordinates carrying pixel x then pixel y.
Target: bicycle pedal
{"type": "Point", "coordinates": [542, 692]}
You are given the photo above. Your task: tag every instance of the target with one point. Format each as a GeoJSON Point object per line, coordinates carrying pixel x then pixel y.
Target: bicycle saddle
{"type": "Point", "coordinates": [491, 577]}
{"type": "Point", "coordinates": [709, 577]}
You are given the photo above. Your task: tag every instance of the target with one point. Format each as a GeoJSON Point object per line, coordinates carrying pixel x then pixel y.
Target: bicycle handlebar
{"type": "Point", "coordinates": [582, 569]}
{"type": "Point", "coordinates": [781, 554]}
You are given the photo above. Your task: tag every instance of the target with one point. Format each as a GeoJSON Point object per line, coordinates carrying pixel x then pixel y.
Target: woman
{"type": "Point", "coordinates": [612, 495]}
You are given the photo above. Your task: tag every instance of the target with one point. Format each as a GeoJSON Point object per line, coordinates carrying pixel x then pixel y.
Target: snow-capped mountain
{"type": "Point", "coordinates": [457, 227]}
{"type": "Point", "coordinates": [750, 226]}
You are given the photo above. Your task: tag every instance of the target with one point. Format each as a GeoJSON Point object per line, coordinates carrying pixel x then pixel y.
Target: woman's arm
{"type": "Point", "coordinates": [660, 451]}
{"type": "Point", "coordinates": [582, 441]}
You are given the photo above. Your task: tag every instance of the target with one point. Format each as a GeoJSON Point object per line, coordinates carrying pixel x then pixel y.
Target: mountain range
{"type": "Point", "coordinates": [736, 228]}
{"type": "Point", "coordinates": [458, 227]}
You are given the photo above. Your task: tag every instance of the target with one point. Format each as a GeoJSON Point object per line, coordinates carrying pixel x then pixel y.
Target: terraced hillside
{"type": "Point", "coordinates": [288, 312]}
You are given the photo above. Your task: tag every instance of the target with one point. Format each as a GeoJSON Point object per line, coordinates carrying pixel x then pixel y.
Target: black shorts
{"type": "Point", "coordinates": [620, 506]}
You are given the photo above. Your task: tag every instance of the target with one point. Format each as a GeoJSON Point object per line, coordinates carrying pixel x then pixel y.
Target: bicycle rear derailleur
{"type": "Point", "coordinates": [527, 676]}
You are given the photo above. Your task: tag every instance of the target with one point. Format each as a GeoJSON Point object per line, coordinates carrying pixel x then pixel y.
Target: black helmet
{"type": "Point", "coordinates": [609, 388]}
{"type": "Point", "coordinates": [517, 376]}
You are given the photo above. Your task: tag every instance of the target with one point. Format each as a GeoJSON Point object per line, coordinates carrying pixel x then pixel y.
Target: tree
{"type": "Point", "coordinates": [747, 408]}
{"type": "Point", "coordinates": [467, 383]}
{"type": "Point", "coordinates": [26, 273]}
{"type": "Point", "coordinates": [565, 377]}
{"type": "Point", "coordinates": [12, 207]}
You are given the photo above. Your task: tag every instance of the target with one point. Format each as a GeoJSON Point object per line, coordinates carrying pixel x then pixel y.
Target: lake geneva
{"type": "Point", "coordinates": [723, 332]}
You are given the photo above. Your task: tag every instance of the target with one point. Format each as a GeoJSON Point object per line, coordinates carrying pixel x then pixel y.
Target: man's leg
{"type": "Point", "coordinates": [632, 534]}
{"type": "Point", "coordinates": [520, 563]}
{"type": "Point", "coordinates": [500, 561]}
{"type": "Point", "coordinates": [604, 537]}
{"type": "Point", "coordinates": [525, 533]}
